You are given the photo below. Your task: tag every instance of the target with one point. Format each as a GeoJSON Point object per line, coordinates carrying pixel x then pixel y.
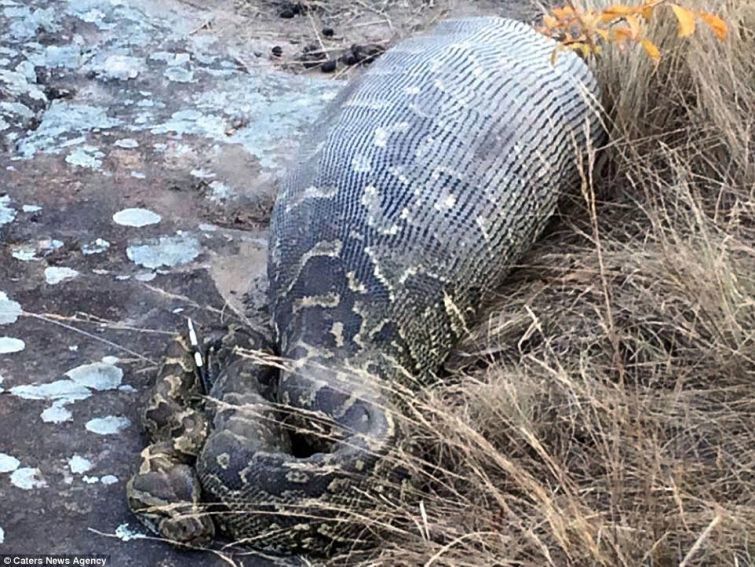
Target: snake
{"type": "Point", "coordinates": [420, 185]}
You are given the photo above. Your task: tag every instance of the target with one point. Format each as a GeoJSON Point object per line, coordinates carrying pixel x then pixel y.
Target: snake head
{"type": "Point", "coordinates": [187, 529]}
{"type": "Point", "coordinates": [165, 495]}
{"type": "Point", "coordinates": [218, 347]}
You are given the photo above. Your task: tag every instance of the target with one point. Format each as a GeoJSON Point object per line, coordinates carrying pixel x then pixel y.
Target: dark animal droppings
{"type": "Point", "coordinates": [290, 9]}
{"type": "Point", "coordinates": [349, 59]}
{"type": "Point", "coordinates": [311, 56]}
{"type": "Point", "coordinates": [362, 53]}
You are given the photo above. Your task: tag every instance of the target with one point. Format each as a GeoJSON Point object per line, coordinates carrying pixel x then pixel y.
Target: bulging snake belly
{"type": "Point", "coordinates": [421, 184]}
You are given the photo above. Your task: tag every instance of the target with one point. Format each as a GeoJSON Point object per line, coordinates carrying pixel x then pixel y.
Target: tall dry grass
{"type": "Point", "coordinates": [603, 413]}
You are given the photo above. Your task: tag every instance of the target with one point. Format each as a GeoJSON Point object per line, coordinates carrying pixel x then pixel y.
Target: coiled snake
{"type": "Point", "coordinates": [423, 181]}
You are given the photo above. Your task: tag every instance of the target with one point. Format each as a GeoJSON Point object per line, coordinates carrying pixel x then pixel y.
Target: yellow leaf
{"type": "Point", "coordinates": [582, 48]}
{"type": "Point", "coordinates": [620, 10]}
{"type": "Point", "coordinates": [603, 34]}
{"type": "Point", "coordinates": [716, 24]}
{"type": "Point", "coordinates": [589, 20]}
{"type": "Point", "coordinates": [647, 11]}
{"type": "Point", "coordinates": [621, 34]}
{"type": "Point", "coordinates": [563, 13]}
{"type": "Point", "coordinates": [686, 20]}
{"type": "Point", "coordinates": [634, 26]}
{"type": "Point", "coordinates": [581, 38]}
{"type": "Point", "coordinates": [550, 22]}
{"type": "Point", "coordinates": [651, 49]}
{"type": "Point", "coordinates": [617, 11]}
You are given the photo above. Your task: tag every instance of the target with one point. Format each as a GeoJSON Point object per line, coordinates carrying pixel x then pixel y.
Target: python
{"type": "Point", "coordinates": [421, 184]}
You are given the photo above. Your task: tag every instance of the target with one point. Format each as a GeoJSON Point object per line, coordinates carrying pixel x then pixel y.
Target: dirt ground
{"type": "Point", "coordinates": [141, 144]}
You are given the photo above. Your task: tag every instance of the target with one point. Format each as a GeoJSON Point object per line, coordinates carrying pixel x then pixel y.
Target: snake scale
{"type": "Point", "coordinates": [421, 184]}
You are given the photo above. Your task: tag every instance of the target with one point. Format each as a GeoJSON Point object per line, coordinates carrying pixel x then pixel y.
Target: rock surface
{"type": "Point", "coordinates": [139, 162]}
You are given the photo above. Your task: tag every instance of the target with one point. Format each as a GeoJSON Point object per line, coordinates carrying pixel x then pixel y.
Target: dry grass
{"type": "Point", "coordinates": [604, 413]}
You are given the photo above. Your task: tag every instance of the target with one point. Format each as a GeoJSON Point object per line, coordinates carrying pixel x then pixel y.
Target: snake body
{"type": "Point", "coordinates": [422, 183]}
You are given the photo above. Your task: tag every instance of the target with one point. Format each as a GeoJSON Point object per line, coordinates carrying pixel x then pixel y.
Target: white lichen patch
{"type": "Point", "coordinates": [7, 214]}
{"type": "Point", "coordinates": [68, 56]}
{"type": "Point", "coordinates": [97, 376]}
{"type": "Point", "coordinates": [164, 251]}
{"type": "Point", "coordinates": [27, 478]}
{"type": "Point", "coordinates": [289, 102]}
{"type": "Point", "coordinates": [179, 75]}
{"type": "Point", "coordinates": [10, 310]}
{"type": "Point", "coordinates": [27, 252]}
{"type": "Point", "coordinates": [194, 122]}
{"type": "Point", "coordinates": [220, 192]}
{"type": "Point", "coordinates": [136, 217]}
{"type": "Point", "coordinates": [57, 413]}
{"type": "Point", "coordinates": [79, 465]}
{"type": "Point", "coordinates": [24, 252]}
{"type": "Point", "coordinates": [108, 479]}
{"type": "Point", "coordinates": [31, 208]}
{"type": "Point", "coordinates": [109, 425]}
{"type": "Point", "coordinates": [73, 142]}
{"type": "Point", "coordinates": [61, 123]}
{"type": "Point", "coordinates": [97, 246]}
{"type": "Point", "coordinates": [126, 143]}
{"type": "Point", "coordinates": [86, 156]}
{"type": "Point", "coordinates": [16, 84]}
{"type": "Point", "coordinates": [47, 245]}
{"type": "Point", "coordinates": [56, 274]}
{"type": "Point", "coordinates": [67, 390]}
{"type": "Point", "coordinates": [81, 382]}
{"type": "Point", "coordinates": [10, 345]}
{"type": "Point", "coordinates": [8, 463]}
{"type": "Point", "coordinates": [170, 58]}
{"type": "Point", "coordinates": [120, 67]}
{"type": "Point", "coordinates": [202, 173]}
{"type": "Point", "coordinates": [90, 479]}
{"type": "Point", "coordinates": [125, 533]}
{"type": "Point", "coordinates": [2, 536]}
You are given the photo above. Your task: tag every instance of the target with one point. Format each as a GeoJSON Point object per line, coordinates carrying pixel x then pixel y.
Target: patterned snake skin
{"type": "Point", "coordinates": [422, 183]}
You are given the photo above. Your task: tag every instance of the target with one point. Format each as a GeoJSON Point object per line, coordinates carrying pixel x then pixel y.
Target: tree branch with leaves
{"type": "Point", "coordinates": [587, 31]}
